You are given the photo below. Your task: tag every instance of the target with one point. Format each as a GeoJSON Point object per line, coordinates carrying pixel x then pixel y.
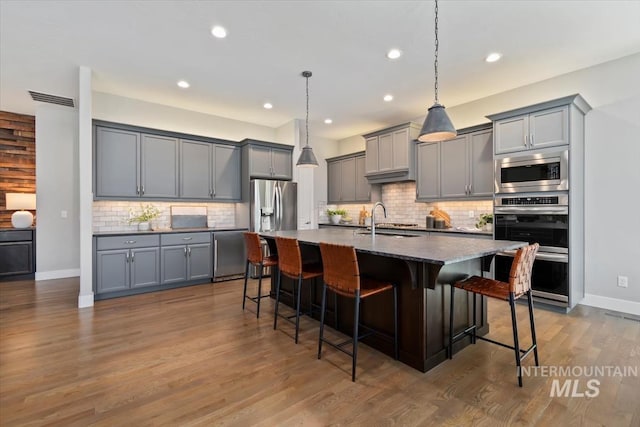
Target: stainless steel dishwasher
{"type": "Point", "coordinates": [228, 254]}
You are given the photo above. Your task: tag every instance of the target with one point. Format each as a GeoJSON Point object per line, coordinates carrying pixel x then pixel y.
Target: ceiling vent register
{"type": "Point", "coordinates": [52, 99]}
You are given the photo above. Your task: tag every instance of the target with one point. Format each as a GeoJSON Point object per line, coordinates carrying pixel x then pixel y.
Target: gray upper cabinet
{"type": "Point", "coordinates": [428, 171]}
{"type": "Point", "coordinates": [195, 170]}
{"type": "Point", "coordinates": [390, 154]}
{"type": "Point", "coordinates": [117, 163]}
{"type": "Point", "coordinates": [159, 172]}
{"type": "Point", "coordinates": [536, 130]}
{"type": "Point", "coordinates": [226, 173]}
{"type": "Point", "coordinates": [456, 169]}
{"type": "Point", "coordinates": [270, 162]}
{"type": "Point", "coordinates": [346, 180]}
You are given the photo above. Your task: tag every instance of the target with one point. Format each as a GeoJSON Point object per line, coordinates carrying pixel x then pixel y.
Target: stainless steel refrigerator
{"type": "Point", "coordinates": [273, 207]}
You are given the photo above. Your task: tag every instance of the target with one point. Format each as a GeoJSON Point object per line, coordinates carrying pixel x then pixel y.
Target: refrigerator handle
{"type": "Point", "coordinates": [278, 204]}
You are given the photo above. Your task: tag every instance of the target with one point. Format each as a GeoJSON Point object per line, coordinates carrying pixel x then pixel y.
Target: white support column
{"type": "Point", "coordinates": [85, 298]}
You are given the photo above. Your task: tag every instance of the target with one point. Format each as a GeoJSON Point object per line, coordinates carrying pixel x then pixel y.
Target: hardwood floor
{"type": "Point", "coordinates": [191, 356]}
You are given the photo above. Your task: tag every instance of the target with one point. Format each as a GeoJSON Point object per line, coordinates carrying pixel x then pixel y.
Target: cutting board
{"type": "Point", "coordinates": [442, 215]}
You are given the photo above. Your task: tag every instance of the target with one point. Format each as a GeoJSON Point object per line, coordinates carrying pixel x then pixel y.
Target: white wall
{"type": "Point", "coordinates": [57, 190]}
{"type": "Point", "coordinates": [140, 113]}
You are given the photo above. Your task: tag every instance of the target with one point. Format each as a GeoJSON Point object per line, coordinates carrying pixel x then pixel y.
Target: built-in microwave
{"type": "Point", "coordinates": [532, 172]}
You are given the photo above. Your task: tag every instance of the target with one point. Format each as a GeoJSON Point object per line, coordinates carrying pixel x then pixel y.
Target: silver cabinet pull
{"type": "Point", "coordinates": [187, 238]}
{"type": "Point", "coordinates": [525, 140]}
{"type": "Point", "coordinates": [189, 251]}
{"type": "Point", "coordinates": [210, 193]}
{"type": "Point", "coordinates": [133, 257]}
{"type": "Point", "coordinates": [215, 256]}
{"type": "Point", "coordinates": [127, 256]}
{"type": "Point", "coordinates": [129, 242]}
{"type": "Point", "coordinates": [531, 140]}
{"type": "Point", "coordinates": [214, 191]}
{"type": "Point", "coordinates": [137, 189]}
{"type": "Point", "coordinates": [470, 188]}
{"type": "Point", "coordinates": [185, 251]}
{"type": "Point", "coordinates": [142, 190]}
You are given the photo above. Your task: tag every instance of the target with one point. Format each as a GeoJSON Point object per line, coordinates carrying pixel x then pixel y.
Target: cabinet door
{"type": "Point", "coordinates": [145, 267]}
{"type": "Point", "coordinates": [512, 134]}
{"type": "Point", "coordinates": [200, 261]}
{"type": "Point", "coordinates": [363, 189]}
{"type": "Point", "coordinates": [549, 128]}
{"type": "Point", "coordinates": [174, 264]}
{"type": "Point", "coordinates": [116, 161]}
{"type": "Point", "coordinates": [229, 257]}
{"type": "Point", "coordinates": [260, 162]}
{"type": "Point", "coordinates": [281, 164]}
{"type": "Point", "coordinates": [481, 163]}
{"type": "Point", "coordinates": [16, 258]}
{"type": "Point", "coordinates": [348, 179]}
{"type": "Point", "coordinates": [334, 181]}
{"type": "Point", "coordinates": [226, 183]}
{"type": "Point", "coordinates": [385, 152]}
{"type": "Point", "coordinates": [401, 149]}
{"type": "Point", "coordinates": [428, 182]}
{"type": "Point", "coordinates": [371, 154]}
{"type": "Point", "coordinates": [159, 166]}
{"type": "Point", "coordinates": [195, 170]}
{"type": "Point", "coordinates": [112, 270]}
{"type": "Point", "coordinates": [454, 167]}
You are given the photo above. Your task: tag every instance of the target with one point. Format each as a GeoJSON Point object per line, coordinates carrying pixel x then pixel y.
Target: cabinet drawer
{"type": "Point", "coordinates": [15, 236]}
{"type": "Point", "coordinates": [185, 238]}
{"type": "Point", "coordinates": [125, 242]}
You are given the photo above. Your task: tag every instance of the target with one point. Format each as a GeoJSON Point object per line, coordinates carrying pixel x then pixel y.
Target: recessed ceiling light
{"type": "Point", "coordinates": [394, 54]}
{"type": "Point", "coordinates": [388, 98]}
{"type": "Point", "coordinates": [183, 84]}
{"type": "Point", "coordinates": [219, 32]}
{"type": "Point", "coordinates": [328, 121]}
{"type": "Point", "coordinates": [493, 57]}
{"type": "Point", "coordinates": [268, 106]}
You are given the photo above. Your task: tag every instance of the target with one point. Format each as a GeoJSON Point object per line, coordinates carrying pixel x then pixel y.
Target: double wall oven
{"type": "Point", "coordinates": [532, 205]}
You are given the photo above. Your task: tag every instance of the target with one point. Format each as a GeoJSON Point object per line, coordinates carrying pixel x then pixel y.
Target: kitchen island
{"type": "Point", "coordinates": [422, 266]}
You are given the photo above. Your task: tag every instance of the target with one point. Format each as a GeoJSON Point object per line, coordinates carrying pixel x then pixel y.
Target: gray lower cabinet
{"type": "Point", "coordinates": [186, 256]}
{"type": "Point", "coordinates": [127, 262]}
{"type": "Point", "coordinates": [209, 171]}
{"type": "Point", "coordinates": [346, 180]}
{"type": "Point", "coordinates": [228, 253]}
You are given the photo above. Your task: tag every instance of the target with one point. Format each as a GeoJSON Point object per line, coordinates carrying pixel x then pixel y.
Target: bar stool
{"type": "Point", "coordinates": [342, 276]}
{"type": "Point", "coordinates": [255, 257]}
{"type": "Point", "coordinates": [519, 284]}
{"type": "Point", "coordinates": [290, 264]}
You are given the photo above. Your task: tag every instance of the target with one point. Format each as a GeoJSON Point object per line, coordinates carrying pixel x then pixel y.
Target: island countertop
{"type": "Point", "coordinates": [434, 249]}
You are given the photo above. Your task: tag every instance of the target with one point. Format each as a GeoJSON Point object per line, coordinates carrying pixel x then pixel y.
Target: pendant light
{"type": "Point", "coordinates": [437, 125]}
{"type": "Point", "coordinates": [307, 159]}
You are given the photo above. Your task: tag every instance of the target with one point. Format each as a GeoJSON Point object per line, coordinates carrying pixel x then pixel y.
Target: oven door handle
{"type": "Point", "coordinates": [532, 209]}
{"type": "Point", "coordinates": [541, 256]}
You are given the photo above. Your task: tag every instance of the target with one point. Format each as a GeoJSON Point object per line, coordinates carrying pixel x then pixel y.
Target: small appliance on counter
{"type": "Point", "coordinates": [440, 214]}
{"type": "Point", "coordinates": [430, 221]}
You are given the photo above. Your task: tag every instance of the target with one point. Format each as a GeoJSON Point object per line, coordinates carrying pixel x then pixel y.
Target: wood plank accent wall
{"type": "Point", "coordinates": [17, 159]}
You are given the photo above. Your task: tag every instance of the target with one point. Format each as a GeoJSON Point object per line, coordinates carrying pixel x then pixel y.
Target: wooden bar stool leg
{"type": "Point", "coordinates": [356, 320]}
{"type": "Point", "coordinates": [516, 345]}
{"type": "Point", "coordinates": [533, 327]}
{"type": "Point", "coordinates": [324, 301]}
{"type": "Point", "coordinates": [259, 291]}
{"type": "Point", "coordinates": [298, 308]}
{"type": "Point", "coordinates": [275, 317]}
{"type": "Point", "coordinates": [246, 277]}
{"type": "Point", "coordinates": [395, 321]}
{"type": "Point", "coordinates": [450, 350]}
{"type": "Point", "coordinates": [475, 324]}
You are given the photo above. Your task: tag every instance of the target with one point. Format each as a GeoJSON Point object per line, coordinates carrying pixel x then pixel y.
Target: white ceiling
{"type": "Point", "coordinates": [140, 49]}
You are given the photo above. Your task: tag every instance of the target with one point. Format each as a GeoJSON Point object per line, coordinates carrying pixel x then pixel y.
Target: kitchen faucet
{"type": "Point", "coordinates": [373, 217]}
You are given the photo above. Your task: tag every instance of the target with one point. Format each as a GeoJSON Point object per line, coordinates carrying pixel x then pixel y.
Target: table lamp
{"type": "Point", "coordinates": [19, 202]}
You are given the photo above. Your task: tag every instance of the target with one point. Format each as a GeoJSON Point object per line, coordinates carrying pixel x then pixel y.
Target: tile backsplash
{"type": "Point", "coordinates": [113, 215]}
{"type": "Point", "coordinates": [399, 199]}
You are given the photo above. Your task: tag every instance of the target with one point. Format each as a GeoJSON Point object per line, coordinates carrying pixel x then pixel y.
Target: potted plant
{"type": "Point", "coordinates": [485, 222]}
{"type": "Point", "coordinates": [146, 214]}
{"type": "Point", "coordinates": [335, 215]}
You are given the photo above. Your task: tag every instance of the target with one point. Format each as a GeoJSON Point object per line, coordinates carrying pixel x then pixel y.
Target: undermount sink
{"type": "Point", "coordinates": [386, 233]}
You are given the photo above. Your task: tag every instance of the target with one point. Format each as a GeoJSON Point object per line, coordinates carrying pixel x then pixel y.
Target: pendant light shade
{"type": "Point", "coordinates": [437, 125]}
{"type": "Point", "coordinates": [307, 159]}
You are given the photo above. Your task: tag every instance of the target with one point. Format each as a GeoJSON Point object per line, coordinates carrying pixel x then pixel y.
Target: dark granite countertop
{"type": "Point", "coordinates": [166, 231]}
{"type": "Point", "coordinates": [418, 229]}
{"type": "Point", "coordinates": [435, 249]}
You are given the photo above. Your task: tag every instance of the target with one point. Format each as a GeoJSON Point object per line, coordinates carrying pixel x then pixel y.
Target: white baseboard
{"type": "Point", "coordinates": [629, 307]}
{"type": "Point", "coordinates": [57, 274]}
{"type": "Point", "coordinates": [85, 300]}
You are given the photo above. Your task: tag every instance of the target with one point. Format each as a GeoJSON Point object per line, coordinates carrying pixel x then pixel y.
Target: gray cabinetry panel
{"type": "Point", "coordinates": [391, 154]}
{"type": "Point", "coordinates": [117, 159]}
{"type": "Point", "coordinates": [159, 167]}
{"type": "Point", "coordinates": [199, 260]}
{"type": "Point", "coordinates": [229, 253]}
{"type": "Point", "coordinates": [334, 175]}
{"type": "Point", "coordinates": [126, 242]}
{"type": "Point", "coordinates": [195, 170]}
{"type": "Point", "coordinates": [185, 238]}
{"type": "Point", "coordinates": [428, 182]}
{"type": "Point", "coordinates": [372, 154]}
{"type": "Point", "coordinates": [481, 157]}
{"type": "Point", "coordinates": [363, 188]}
{"type": "Point", "coordinates": [174, 264]}
{"type": "Point", "coordinates": [281, 162]}
{"type": "Point", "coordinates": [512, 134]}
{"type": "Point", "coordinates": [400, 152]}
{"type": "Point", "coordinates": [348, 179]}
{"type": "Point", "coordinates": [549, 128]}
{"type": "Point", "coordinates": [259, 162]}
{"type": "Point", "coordinates": [454, 168]}
{"type": "Point", "coordinates": [385, 152]}
{"type": "Point", "coordinates": [145, 267]}
{"type": "Point", "coordinates": [226, 177]}
{"type": "Point", "coordinates": [112, 270]}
